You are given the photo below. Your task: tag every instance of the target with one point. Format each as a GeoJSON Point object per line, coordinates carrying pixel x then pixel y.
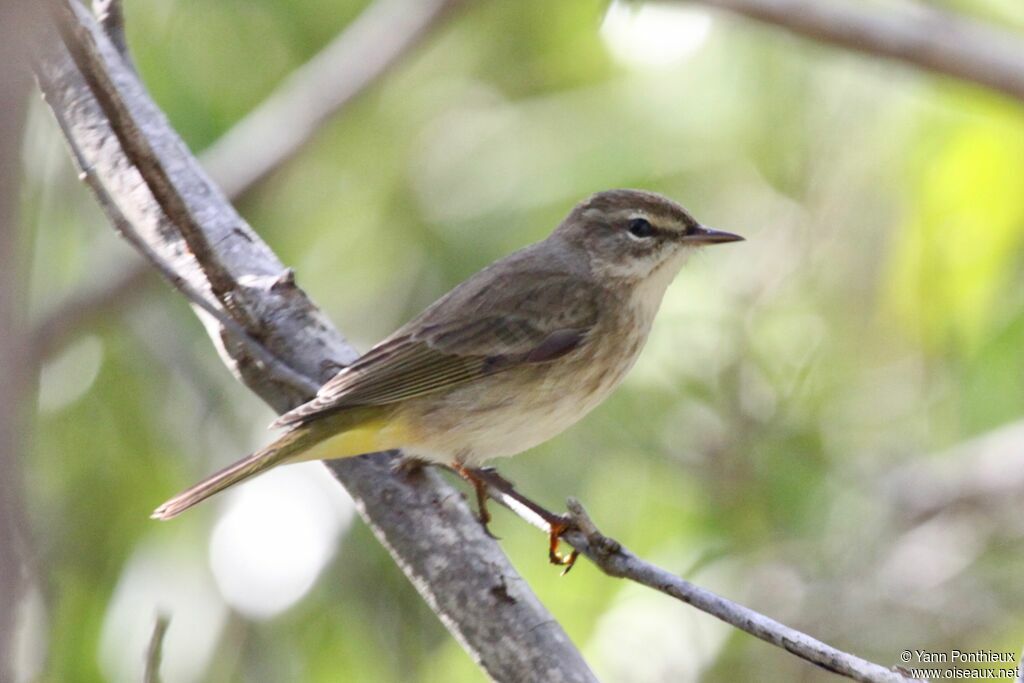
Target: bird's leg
{"type": "Point", "coordinates": [556, 524]}
{"type": "Point", "coordinates": [409, 465]}
{"type": "Point", "coordinates": [471, 474]}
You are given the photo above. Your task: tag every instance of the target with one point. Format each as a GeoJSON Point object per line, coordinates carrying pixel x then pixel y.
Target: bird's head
{"type": "Point", "coordinates": [634, 235]}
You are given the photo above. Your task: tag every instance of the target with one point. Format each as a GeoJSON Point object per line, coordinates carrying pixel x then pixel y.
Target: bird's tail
{"type": "Point", "coordinates": [342, 435]}
{"type": "Point", "coordinates": [288, 445]}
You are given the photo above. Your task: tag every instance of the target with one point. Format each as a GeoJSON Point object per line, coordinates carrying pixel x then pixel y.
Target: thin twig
{"type": "Point", "coordinates": [614, 560]}
{"type": "Point", "coordinates": [154, 652]}
{"type": "Point", "coordinates": [927, 37]}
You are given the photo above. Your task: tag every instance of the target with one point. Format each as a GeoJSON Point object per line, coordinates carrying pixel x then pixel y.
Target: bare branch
{"type": "Point", "coordinates": [110, 15]}
{"type": "Point", "coordinates": [14, 386]}
{"type": "Point", "coordinates": [272, 365]}
{"type": "Point", "coordinates": [81, 43]}
{"type": "Point", "coordinates": [614, 560]}
{"type": "Point", "coordinates": [244, 156]}
{"type": "Point", "coordinates": [928, 38]}
{"type": "Point", "coordinates": [285, 121]}
{"type": "Point", "coordinates": [424, 523]}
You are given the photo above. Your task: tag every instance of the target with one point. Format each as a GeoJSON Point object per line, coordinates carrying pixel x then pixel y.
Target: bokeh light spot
{"type": "Point", "coordinates": [276, 535]}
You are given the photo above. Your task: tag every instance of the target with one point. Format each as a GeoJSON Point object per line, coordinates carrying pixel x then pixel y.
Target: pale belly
{"type": "Point", "coordinates": [515, 411]}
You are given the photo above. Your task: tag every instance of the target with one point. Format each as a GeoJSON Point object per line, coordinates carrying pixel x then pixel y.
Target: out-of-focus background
{"type": "Point", "coordinates": [825, 425]}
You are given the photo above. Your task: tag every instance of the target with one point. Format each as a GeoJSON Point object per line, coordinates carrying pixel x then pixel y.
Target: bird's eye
{"type": "Point", "coordinates": [640, 227]}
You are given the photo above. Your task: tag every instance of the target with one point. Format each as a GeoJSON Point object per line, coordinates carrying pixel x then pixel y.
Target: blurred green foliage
{"type": "Point", "coordinates": [875, 316]}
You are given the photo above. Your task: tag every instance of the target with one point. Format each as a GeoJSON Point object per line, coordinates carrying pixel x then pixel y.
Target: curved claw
{"type": "Point", "coordinates": [558, 527]}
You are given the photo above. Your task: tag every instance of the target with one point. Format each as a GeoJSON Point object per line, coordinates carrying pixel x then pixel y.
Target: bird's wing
{"type": "Point", "coordinates": [469, 334]}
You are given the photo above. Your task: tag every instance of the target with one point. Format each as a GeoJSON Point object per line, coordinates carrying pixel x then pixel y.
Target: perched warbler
{"type": "Point", "coordinates": [506, 360]}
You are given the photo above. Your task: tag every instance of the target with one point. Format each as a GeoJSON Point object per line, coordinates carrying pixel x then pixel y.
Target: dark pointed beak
{"type": "Point", "coordinates": [703, 235]}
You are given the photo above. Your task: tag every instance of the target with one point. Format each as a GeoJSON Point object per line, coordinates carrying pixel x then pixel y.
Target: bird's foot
{"type": "Point", "coordinates": [485, 477]}
{"type": "Point", "coordinates": [558, 525]}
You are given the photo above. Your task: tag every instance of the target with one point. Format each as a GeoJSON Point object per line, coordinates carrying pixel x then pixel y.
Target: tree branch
{"type": "Point", "coordinates": [615, 560]}
{"type": "Point", "coordinates": [424, 523]}
{"type": "Point", "coordinates": [81, 44]}
{"type": "Point", "coordinates": [272, 365]}
{"type": "Point", "coordinates": [246, 155]}
{"type": "Point", "coordinates": [928, 38]}
{"type": "Point", "coordinates": [110, 16]}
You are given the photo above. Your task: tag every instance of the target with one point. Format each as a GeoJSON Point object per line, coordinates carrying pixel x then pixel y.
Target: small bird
{"type": "Point", "coordinates": [508, 359]}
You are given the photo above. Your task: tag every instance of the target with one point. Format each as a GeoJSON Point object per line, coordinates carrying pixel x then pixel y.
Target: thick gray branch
{"type": "Point", "coordinates": [271, 364]}
{"type": "Point", "coordinates": [110, 15]}
{"type": "Point", "coordinates": [423, 522]}
{"type": "Point", "coordinates": [247, 154]}
{"type": "Point", "coordinates": [925, 37]}
{"type": "Point", "coordinates": [81, 43]}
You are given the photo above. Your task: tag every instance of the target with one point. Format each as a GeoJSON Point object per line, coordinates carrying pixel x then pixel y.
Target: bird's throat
{"type": "Point", "coordinates": [649, 291]}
